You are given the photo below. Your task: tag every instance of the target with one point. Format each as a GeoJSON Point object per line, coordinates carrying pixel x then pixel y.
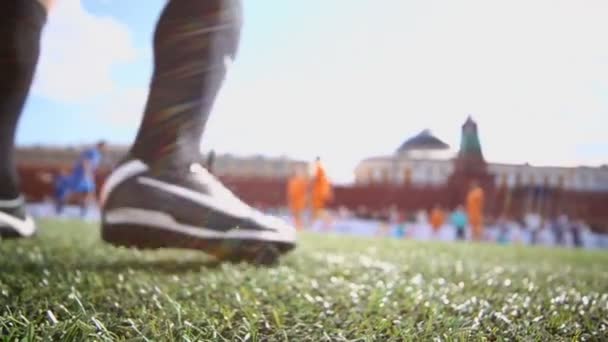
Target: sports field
{"type": "Point", "coordinates": [67, 285]}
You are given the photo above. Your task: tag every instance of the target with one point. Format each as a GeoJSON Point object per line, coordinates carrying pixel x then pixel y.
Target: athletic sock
{"type": "Point", "coordinates": [21, 23]}
{"type": "Point", "coordinates": [191, 43]}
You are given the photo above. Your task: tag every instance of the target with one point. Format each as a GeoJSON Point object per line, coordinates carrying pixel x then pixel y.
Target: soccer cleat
{"type": "Point", "coordinates": [188, 209]}
{"type": "Point", "coordinates": [14, 220]}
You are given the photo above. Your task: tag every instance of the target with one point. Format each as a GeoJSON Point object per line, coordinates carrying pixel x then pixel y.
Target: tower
{"type": "Point", "coordinates": [469, 165]}
{"type": "Point", "coordinates": [470, 156]}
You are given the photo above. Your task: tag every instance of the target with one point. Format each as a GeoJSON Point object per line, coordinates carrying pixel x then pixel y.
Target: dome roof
{"type": "Point", "coordinates": [425, 141]}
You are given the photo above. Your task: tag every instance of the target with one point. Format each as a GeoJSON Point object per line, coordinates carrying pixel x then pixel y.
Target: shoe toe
{"type": "Point", "coordinates": [283, 230]}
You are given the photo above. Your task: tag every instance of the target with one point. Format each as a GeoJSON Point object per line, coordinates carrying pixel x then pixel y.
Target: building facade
{"type": "Point", "coordinates": [424, 167]}
{"type": "Point", "coordinates": [224, 165]}
{"type": "Point", "coordinates": [227, 165]}
{"type": "Point", "coordinates": [400, 170]}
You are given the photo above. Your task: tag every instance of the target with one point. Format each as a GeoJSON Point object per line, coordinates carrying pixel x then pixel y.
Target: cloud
{"type": "Point", "coordinates": [79, 50]}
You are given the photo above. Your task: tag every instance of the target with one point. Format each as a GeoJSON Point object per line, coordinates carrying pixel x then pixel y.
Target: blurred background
{"type": "Point", "coordinates": [407, 104]}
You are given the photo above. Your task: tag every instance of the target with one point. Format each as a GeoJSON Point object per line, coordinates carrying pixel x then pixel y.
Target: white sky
{"type": "Point", "coordinates": [353, 84]}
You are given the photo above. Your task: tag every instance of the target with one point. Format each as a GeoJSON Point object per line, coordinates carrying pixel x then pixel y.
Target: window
{"type": "Point", "coordinates": [497, 179]}
{"type": "Point", "coordinates": [509, 179]}
{"type": "Point", "coordinates": [445, 172]}
{"type": "Point", "coordinates": [518, 179]}
{"type": "Point", "coordinates": [377, 175]}
{"type": "Point", "coordinates": [407, 175]}
{"type": "Point", "coordinates": [502, 179]}
{"type": "Point", "coordinates": [385, 176]}
{"type": "Point", "coordinates": [561, 181]}
{"type": "Point", "coordinates": [579, 181]}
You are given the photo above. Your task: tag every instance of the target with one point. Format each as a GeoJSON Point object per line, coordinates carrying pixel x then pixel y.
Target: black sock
{"type": "Point", "coordinates": [191, 42]}
{"type": "Point", "coordinates": [21, 23]}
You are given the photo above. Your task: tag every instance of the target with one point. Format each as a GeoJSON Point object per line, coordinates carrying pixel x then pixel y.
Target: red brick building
{"type": "Point", "coordinates": [264, 180]}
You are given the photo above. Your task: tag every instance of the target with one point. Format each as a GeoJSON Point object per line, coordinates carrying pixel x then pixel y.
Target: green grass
{"type": "Point", "coordinates": [67, 285]}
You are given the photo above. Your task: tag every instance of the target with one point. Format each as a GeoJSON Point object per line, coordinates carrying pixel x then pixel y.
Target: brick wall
{"type": "Point", "coordinates": [593, 207]}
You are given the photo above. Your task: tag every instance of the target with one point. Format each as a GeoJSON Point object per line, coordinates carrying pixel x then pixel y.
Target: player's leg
{"type": "Point", "coordinates": [59, 204]}
{"type": "Point", "coordinates": [89, 199]}
{"type": "Point", "coordinates": [60, 197]}
{"type": "Point", "coordinates": [296, 213]}
{"type": "Point", "coordinates": [192, 41]}
{"type": "Point", "coordinates": [84, 202]}
{"type": "Point", "coordinates": [82, 193]}
{"type": "Point", "coordinates": [161, 196]}
{"type": "Point", "coordinates": [21, 23]}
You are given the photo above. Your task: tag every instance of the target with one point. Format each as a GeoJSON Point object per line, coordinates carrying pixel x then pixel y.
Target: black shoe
{"type": "Point", "coordinates": [190, 209]}
{"type": "Point", "coordinates": [14, 220]}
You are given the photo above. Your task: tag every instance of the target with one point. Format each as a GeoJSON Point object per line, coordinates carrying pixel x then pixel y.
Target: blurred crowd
{"type": "Point", "coordinates": [441, 224]}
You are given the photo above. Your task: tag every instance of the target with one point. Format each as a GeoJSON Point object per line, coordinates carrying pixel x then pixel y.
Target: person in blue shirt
{"type": "Point", "coordinates": [80, 184]}
{"type": "Point", "coordinates": [459, 221]}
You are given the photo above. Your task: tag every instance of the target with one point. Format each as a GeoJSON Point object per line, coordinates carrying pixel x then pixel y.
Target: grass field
{"type": "Point", "coordinates": [67, 285]}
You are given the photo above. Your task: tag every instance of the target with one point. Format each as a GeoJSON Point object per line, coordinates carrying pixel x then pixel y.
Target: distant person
{"type": "Point", "coordinates": [475, 203]}
{"type": "Point", "coordinates": [459, 221]}
{"type": "Point", "coordinates": [437, 218]}
{"type": "Point", "coordinates": [80, 185]}
{"type": "Point", "coordinates": [534, 223]}
{"type": "Point", "coordinates": [503, 230]}
{"type": "Point", "coordinates": [576, 229]}
{"type": "Point", "coordinates": [322, 192]}
{"type": "Point", "coordinates": [394, 215]}
{"type": "Point", "coordinates": [401, 226]}
{"type": "Point", "coordinates": [344, 213]}
{"type": "Point", "coordinates": [559, 226]}
{"type": "Point", "coordinates": [297, 196]}
{"type": "Point", "coordinates": [362, 212]}
{"type": "Point", "coordinates": [422, 218]}
{"type": "Point", "coordinates": [61, 189]}
{"type": "Point", "coordinates": [159, 195]}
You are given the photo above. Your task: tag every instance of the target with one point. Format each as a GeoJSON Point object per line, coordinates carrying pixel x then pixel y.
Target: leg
{"type": "Point", "coordinates": [191, 42]}
{"type": "Point", "coordinates": [59, 206]}
{"type": "Point", "coordinates": [161, 196]}
{"type": "Point", "coordinates": [61, 193]}
{"type": "Point", "coordinates": [60, 200]}
{"type": "Point", "coordinates": [297, 218]}
{"type": "Point", "coordinates": [21, 23]}
{"type": "Point", "coordinates": [90, 200]}
{"type": "Point", "coordinates": [84, 194]}
{"type": "Point", "coordinates": [474, 231]}
{"type": "Point", "coordinates": [83, 203]}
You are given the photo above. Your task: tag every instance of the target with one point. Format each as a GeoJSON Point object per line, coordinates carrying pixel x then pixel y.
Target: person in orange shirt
{"type": "Point", "coordinates": [475, 201]}
{"type": "Point", "coordinates": [437, 218]}
{"type": "Point", "coordinates": [297, 196]}
{"type": "Point", "coordinates": [322, 191]}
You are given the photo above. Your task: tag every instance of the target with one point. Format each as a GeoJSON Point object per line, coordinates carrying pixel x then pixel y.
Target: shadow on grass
{"type": "Point", "coordinates": [166, 266]}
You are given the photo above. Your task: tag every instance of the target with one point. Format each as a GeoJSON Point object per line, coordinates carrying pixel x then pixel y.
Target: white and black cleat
{"type": "Point", "coordinates": [14, 220]}
{"type": "Point", "coordinates": [191, 209]}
